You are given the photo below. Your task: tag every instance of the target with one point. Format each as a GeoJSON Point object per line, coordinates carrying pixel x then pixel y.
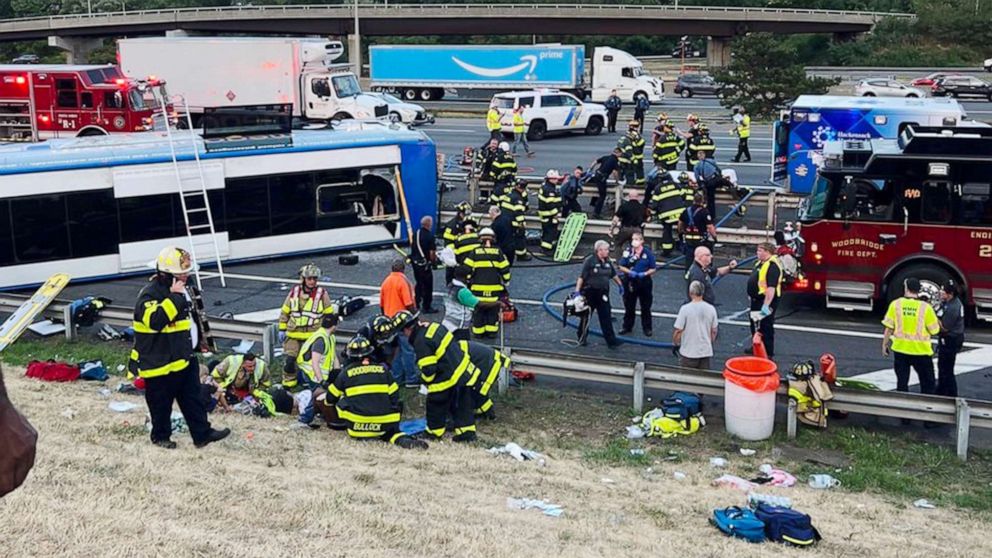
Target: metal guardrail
{"type": "Point", "coordinates": [268, 10]}
{"type": "Point", "coordinates": [964, 413]}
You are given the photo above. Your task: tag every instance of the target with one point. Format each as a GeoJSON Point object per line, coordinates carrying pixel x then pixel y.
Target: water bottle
{"type": "Point", "coordinates": [753, 499]}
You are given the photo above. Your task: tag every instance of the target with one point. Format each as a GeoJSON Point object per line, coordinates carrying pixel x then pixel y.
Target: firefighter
{"type": "Point", "coordinates": [238, 376]}
{"type": "Point", "coordinates": [515, 205]}
{"type": "Point", "coordinates": [456, 225]}
{"type": "Point", "coordinates": [484, 159]}
{"type": "Point", "coordinates": [667, 205]}
{"type": "Point", "coordinates": [489, 362]}
{"type": "Point", "coordinates": [447, 371]}
{"type": "Point", "coordinates": [301, 313]}
{"type": "Point", "coordinates": [493, 124]}
{"type": "Point", "coordinates": [689, 135]}
{"type": "Point", "coordinates": [489, 276]}
{"type": "Point", "coordinates": [632, 155]}
{"type": "Point", "coordinates": [667, 148]}
{"type": "Point", "coordinates": [549, 210]}
{"type": "Point", "coordinates": [700, 141]}
{"type": "Point", "coordinates": [696, 228]}
{"type": "Point", "coordinates": [743, 131]}
{"type": "Point", "coordinates": [367, 399]}
{"type": "Point", "coordinates": [466, 242]}
{"type": "Point", "coordinates": [504, 174]}
{"type": "Point", "coordinates": [381, 334]}
{"type": "Point", "coordinates": [164, 340]}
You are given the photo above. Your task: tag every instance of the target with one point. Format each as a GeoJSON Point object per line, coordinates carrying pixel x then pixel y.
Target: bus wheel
{"type": "Point", "coordinates": [932, 278]}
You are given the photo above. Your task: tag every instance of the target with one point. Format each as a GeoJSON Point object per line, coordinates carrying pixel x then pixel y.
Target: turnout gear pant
{"type": "Point", "coordinates": [182, 387]}
{"type": "Point", "coordinates": [638, 291]}
{"type": "Point", "coordinates": [742, 150]}
{"type": "Point", "coordinates": [667, 238]}
{"type": "Point", "coordinates": [481, 402]}
{"type": "Point", "coordinates": [634, 173]}
{"type": "Point", "coordinates": [424, 291]}
{"type": "Point", "coordinates": [923, 364]}
{"type": "Point", "coordinates": [290, 350]}
{"type": "Point", "coordinates": [485, 317]}
{"type": "Point", "coordinates": [947, 353]}
{"type": "Point", "coordinates": [549, 234]}
{"type": "Point", "coordinates": [458, 401]}
{"type": "Point", "coordinates": [520, 243]}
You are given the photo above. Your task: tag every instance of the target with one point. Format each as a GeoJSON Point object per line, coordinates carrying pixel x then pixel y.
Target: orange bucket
{"type": "Point", "coordinates": [755, 374]}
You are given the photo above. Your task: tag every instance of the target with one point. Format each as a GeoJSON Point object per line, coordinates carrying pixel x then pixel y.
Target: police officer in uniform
{"type": "Point", "coordinates": [594, 284]}
{"type": "Point", "coordinates": [367, 399]}
{"type": "Point", "coordinates": [613, 105]}
{"type": "Point", "coordinates": [548, 210]}
{"type": "Point", "coordinates": [447, 371]}
{"type": "Point", "coordinates": [764, 288]}
{"type": "Point", "coordinates": [164, 341]}
{"type": "Point", "coordinates": [515, 206]}
{"type": "Point", "coordinates": [603, 168]}
{"type": "Point", "coordinates": [489, 276]}
{"type": "Point", "coordinates": [301, 313]}
{"type": "Point", "coordinates": [951, 339]}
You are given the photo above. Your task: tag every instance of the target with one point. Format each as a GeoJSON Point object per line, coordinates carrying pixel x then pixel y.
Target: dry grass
{"type": "Point", "coordinates": [100, 489]}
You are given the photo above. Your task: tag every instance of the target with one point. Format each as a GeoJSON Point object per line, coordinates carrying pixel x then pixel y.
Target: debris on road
{"type": "Point", "coordinates": [552, 510]}
{"type": "Point", "coordinates": [515, 451]}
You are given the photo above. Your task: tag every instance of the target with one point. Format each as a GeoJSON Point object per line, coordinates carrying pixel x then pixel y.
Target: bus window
{"type": "Point", "coordinates": [93, 225]}
{"type": "Point", "coordinates": [148, 217]}
{"type": "Point", "coordinates": [246, 205]}
{"type": "Point", "coordinates": [6, 236]}
{"type": "Point", "coordinates": [65, 93]}
{"type": "Point", "coordinates": [40, 232]}
{"type": "Point", "coordinates": [339, 205]}
{"type": "Point", "coordinates": [936, 204]}
{"type": "Point", "coordinates": [291, 203]}
{"type": "Point", "coordinates": [976, 204]}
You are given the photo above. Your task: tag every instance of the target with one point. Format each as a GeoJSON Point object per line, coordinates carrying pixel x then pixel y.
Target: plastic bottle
{"type": "Point", "coordinates": [754, 498]}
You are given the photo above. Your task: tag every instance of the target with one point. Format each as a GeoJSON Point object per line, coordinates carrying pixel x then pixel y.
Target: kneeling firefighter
{"type": "Point", "coordinates": [367, 398]}
{"type": "Point", "coordinates": [489, 363]}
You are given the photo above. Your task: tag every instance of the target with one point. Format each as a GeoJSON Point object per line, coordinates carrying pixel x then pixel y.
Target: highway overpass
{"type": "Point", "coordinates": [76, 32]}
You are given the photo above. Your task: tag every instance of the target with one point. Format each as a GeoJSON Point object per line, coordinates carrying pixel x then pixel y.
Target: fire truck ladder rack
{"type": "Point", "coordinates": [16, 121]}
{"type": "Point", "coordinates": [193, 193]}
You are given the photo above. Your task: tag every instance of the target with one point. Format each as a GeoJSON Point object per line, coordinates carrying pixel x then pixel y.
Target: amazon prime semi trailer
{"type": "Point", "coordinates": [426, 72]}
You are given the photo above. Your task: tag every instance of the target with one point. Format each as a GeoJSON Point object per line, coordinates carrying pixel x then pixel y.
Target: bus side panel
{"type": "Point", "coordinates": [419, 173]}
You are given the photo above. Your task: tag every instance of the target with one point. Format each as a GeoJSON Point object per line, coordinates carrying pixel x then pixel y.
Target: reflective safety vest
{"type": "Point", "coordinates": [452, 229]}
{"type": "Point", "coordinates": [444, 363]}
{"type": "Point", "coordinates": [233, 365]}
{"type": "Point", "coordinates": [490, 272]}
{"type": "Point", "coordinates": [548, 202]}
{"type": "Point", "coordinates": [162, 340]}
{"type": "Point", "coordinates": [744, 127]}
{"type": "Point", "coordinates": [302, 312]}
{"type": "Point", "coordinates": [305, 356]}
{"type": "Point", "coordinates": [668, 202]}
{"type": "Point", "coordinates": [456, 314]}
{"type": "Point", "coordinates": [492, 120]}
{"type": "Point", "coordinates": [912, 322]}
{"type": "Point", "coordinates": [762, 267]}
{"type": "Point", "coordinates": [519, 124]}
{"type": "Point", "coordinates": [667, 148]}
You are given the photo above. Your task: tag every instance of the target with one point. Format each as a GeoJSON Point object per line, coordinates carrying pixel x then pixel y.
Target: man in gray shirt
{"type": "Point", "coordinates": [702, 270]}
{"type": "Point", "coordinates": [951, 339]}
{"type": "Point", "coordinates": [695, 330]}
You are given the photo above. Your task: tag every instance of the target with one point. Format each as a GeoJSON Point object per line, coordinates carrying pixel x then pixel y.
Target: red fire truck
{"type": "Point", "coordinates": [46, 101]}
{"type": "Point", "coordinates": [885, 210]}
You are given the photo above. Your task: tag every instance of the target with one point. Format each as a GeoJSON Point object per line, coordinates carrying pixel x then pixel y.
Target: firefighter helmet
{"type": "Point", "coordinates": [704, 129]}
{"type": "Point", "coordinates": [358, 347]}
{"type": "Point", "coordinates": [309, 270]}
{"type": "Point", "coordinates": [683, 176]}
{"type": "Point", "coordinates": [692, 118]}
{"type": "Point", "coordinates": [464, 208]}
{"type": "Point", "coordinates": [404, 319]}
{"type": "Point", "coordinates": [174, 260]}
{"type": "Point", "coordinates": [487, 233]}
{"type": "Point", "coordinates": [662, 117]}
{"type": "Point", "coordinates": [504, 146]}
{"type": "Point", "coordinates": [552, 174]}
{"type": "Point", "coordinates": [382, 329]}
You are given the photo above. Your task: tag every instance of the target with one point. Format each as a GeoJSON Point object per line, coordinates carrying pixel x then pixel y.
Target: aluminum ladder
{"type": "Point", "coordinates": [197, 217]}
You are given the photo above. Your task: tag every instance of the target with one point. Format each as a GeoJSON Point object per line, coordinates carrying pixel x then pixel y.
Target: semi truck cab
{"type": "Point", "coordinates": [330, 94]}
{"type": "Point", "coordinates": [615, 69]}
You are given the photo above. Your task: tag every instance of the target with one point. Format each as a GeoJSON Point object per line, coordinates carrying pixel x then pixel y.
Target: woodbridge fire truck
{"type": "Point", "coordinates": [47, 101]}
{"type": "Point", "coordinates": [885, 210]}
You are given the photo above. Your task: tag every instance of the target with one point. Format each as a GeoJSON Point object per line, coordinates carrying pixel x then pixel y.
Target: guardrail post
{"type": "Point", "coordinates": [639, 387]}
{"type": "Point", "coordinates": [770, 218]}
{"type": "Point", "coordinates": [790, 420]}
{"type": "Point", "coordinates": [503, 381]}
{"type": "Point", "coordinates": [962, 417]}
{"type": "Point", "coordinates": [269, 337]}
{"type": "Point", "coordinates": [70, 328]}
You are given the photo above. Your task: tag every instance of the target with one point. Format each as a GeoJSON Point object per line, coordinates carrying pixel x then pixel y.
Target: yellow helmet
{"type": "Point", "coordinates": [174, 260]}
{"type": "Point", "coordinates": [633, 125]}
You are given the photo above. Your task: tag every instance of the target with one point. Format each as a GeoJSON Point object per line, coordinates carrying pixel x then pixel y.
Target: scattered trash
{"type": "Point", "coordinates": [718, 462]}
{"type": "Point", "coordinates": [774, 477]}
{"type": "Point", "coordinates": [120, 368]}
{"type": "Point", "coordinates": [423, 389]}
{"type": "Point", "coordinates": [823, 481]}
{"type": "Point", "coordinates": [605, 480]}
{"type": "Point", "coordinates": [413, 426]}
{"type": "Point", "coordinates": [754, 498]}
{"type": "Point", "coordinates": [733, 481]}
{"type": "Point", "coordinates": [924, 504]}
{"type": "Point", "coordinates": [93, 370]}
{"type": "Point", "coordinates": [679, 475]}
{"type": "Point", "coordinates": [541, 462]}
{"type": "Point", "coordinates": [637, 452]}
{"type": "Point", "coordinates": [515, 451]}
{"type": "Point", "coordinates": [616, 519]}
{"type": "Point", "coordinates": [250, 436]}
{"type": "Point", "coordinates": [46, 328]}
{"type": "Point", "coordinates": [68, 413]}
{"type": "Point", "coordinates": [104, 392]}
{"type": "Point", "coordinates": [748, 452]}
{"type": "Point", "coordinates": [634, 432]}
{"type": "Point", "coordinates": [552, 510]}
{"type": "Point", "coordinates": [178, 423]}
{"type": "Point", "coordinates": [122, 406]}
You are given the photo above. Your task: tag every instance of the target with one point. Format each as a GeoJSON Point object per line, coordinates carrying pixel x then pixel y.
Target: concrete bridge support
{"type": "Point", "coordinates": [78, 48]}
{"type": "Point", "coordinates": [718, 51]}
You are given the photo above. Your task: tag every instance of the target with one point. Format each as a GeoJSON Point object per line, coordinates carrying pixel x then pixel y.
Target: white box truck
{"type": "Point", "coordinates": [240, 71]}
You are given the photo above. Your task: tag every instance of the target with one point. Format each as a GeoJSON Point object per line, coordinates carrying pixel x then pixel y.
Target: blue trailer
{"type": "Point", "coordinates": [424, 71]}
{"type": "Point", "coordinates": [814, 119]}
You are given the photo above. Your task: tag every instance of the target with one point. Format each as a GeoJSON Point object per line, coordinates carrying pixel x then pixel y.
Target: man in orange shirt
{"type": "Point", "coordinates": [396, 294]}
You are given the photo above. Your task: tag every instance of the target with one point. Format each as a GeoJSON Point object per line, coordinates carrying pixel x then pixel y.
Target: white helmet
{"type": "Point", "coordinates": [174, 260]}
{"type": "Point", "coordinates": [487, 232]}
{"type": "Point", "coordinates": [552, 174]}
{"type": "Point", "coordinates": [504, 146]}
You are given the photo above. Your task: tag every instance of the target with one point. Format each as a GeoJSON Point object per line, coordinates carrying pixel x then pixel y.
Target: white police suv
{"type": "Point", "coordinates": [548, 111]}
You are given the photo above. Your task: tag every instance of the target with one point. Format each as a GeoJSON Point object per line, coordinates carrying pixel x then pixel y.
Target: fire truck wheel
{"type": "Point", "coordinates": [931, 276]}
